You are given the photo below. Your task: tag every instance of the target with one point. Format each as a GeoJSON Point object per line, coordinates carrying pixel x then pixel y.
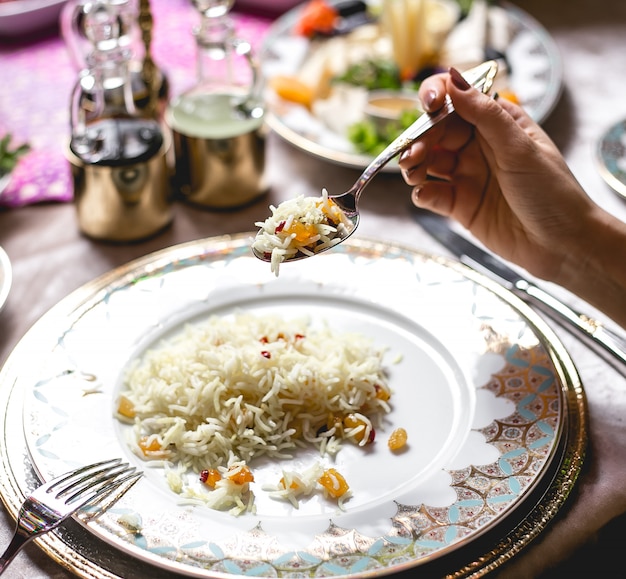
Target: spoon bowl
{"type": "Point", "coordinates": [480, 77]}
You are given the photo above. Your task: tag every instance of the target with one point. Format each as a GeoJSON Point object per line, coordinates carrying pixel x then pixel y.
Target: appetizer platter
{"type": "Point", "coordinates": [342, 76]}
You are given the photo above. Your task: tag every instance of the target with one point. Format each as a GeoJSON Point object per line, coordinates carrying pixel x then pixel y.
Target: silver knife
{"type": "Point", "coordinates": [610, 346]}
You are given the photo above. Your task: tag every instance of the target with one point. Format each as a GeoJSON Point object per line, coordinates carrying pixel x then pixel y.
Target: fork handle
{"type": "Point", "coordinates": [20, 538]}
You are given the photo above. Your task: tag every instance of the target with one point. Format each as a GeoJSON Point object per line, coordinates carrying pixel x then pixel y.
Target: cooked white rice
{"type": "Point", "coordinates": [230, 389]}
{"type": "Point", "coordinates": [298, 227]}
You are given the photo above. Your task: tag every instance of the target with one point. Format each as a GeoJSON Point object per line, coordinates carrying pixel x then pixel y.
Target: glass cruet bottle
{"type": "Point", "coordinates": [134, 18]}
{"type": "Point", "coordinates": [106, 126]}
{"type": "Point", "coordinates": [118, 156]}
{"type": "Point", "coordinates": [218, 124]}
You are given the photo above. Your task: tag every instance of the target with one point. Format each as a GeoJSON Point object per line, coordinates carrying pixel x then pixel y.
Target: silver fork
{"type": "Point", "coordinates": [95, 486]}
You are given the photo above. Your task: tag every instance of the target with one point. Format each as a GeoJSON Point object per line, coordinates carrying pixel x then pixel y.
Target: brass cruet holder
{"type": "Point", "coordinates": [218, 124]}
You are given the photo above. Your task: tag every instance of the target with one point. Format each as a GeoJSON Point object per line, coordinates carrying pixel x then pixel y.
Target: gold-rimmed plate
{"type": "Point", "coordinates": [492, 402]}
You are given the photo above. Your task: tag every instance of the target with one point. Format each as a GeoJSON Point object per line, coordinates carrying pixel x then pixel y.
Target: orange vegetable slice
{"type": "Point", "coordinates": [509, 95]}
{"type": "Point", "coordinates": [317, 17]}
{"type": "Point", "coordinates": [293, 90]}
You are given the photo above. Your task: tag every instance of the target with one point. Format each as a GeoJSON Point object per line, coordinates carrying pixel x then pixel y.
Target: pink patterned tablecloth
{"type": "Point", "coordinates": [36, 80]}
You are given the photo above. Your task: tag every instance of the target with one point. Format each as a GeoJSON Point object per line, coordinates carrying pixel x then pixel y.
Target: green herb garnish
{"type": "Point", "coordinates": [369, 139]}
{"type": "Point", "coordinates": [10, 156]}
{"type": "Point", "coordinates": [372, 75]}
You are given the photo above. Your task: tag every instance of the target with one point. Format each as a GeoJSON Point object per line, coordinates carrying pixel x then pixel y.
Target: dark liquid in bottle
{"type": "Point", "coordinates": [141, 95]}
{"type": "Point", "coordinates": [118, 142]}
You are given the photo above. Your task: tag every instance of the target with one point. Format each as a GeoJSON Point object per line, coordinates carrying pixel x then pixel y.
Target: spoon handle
{"type": "Point", "coordinates": [480, 77]}
{"type": "Point", "coordinates": [424, 123]}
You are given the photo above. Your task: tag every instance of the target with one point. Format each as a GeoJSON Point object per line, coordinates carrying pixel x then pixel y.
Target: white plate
{"type": "Point", "coordinates": [20, 17]}
{"type": "Point", "coordinates": [6, 277]}
{"type": "Point", "coordinates": [536, 78]}
{"type": "Point", "coordinates": [492, 404]}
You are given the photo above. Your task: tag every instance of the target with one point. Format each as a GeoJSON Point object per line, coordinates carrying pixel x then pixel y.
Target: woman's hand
{"type": "Point", "coordinates": [494, 170]}
{"type": "Point", "coordinates": [499, 175]}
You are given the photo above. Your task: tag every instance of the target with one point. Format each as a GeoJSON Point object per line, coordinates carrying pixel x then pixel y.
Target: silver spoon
{"type": "Point", "coordinates": [480, 77]}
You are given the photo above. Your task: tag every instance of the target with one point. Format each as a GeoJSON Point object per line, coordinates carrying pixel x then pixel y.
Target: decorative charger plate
{"type": "Point", "coordinates": [492, 404]}
{"type": "Point", "coordinates": [536, 77]}
{"type": "Point", "coordinates": [611, 156]}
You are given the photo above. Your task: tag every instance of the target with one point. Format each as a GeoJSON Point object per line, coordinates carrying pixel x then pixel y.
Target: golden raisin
{"type": "Point", "coordinates": [352, 421]}
{"type": "Point", "coordinates": [296, 425]}
{"type": "Point", "coordinates": [293, 486]}
{"type": "Point", "coordinates": [382, 393]}
{"type": "Point", "coordinates": [397, 439]}
{"type": "Point", "coordinates": [303, 232]}
{"type": "Point", "coordinates": [334, 483]}
{"type": "Point", "coordinates": [149, 447]}
{"type": "Point", "coordinates": [241, 475]}
{"type": "Point", "coordinates": [334, 422]}
{"type": "Point", "coordinates": [126, 408]}
{"type": "Point", "coordinates": [331, 210]}
{"type": "Point", "coordinates": [210, 477]}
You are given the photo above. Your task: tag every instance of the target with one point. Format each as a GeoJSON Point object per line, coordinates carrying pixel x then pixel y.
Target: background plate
{"type": "Point", "coordinates": [21, 17]}
{"type": "Point", "coordinates": [6, 277]}
{"type": "Point", "coordinates": [536, 78]}
{"type": "Point", "coordinates": [611, 157]}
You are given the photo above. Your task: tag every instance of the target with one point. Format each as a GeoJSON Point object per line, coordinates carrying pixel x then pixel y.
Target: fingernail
{"type": "Point", "coordinates": [407, 172]}
{"type": "Point", "coordinates": [429, 99]}
{"type": "Point", "coordinates": [457, 79]}
{"type": "Point", "coordinates": [405, 154]}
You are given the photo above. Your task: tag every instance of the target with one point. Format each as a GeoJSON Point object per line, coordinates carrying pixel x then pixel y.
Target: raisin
{"type": "Point", "coordinates": [334, 483]}
{"type": "Point", "coordinates": [397, 439]}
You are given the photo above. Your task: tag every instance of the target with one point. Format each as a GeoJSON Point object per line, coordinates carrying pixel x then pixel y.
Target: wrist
{"type": "Point", "coordinates": [594, 268]}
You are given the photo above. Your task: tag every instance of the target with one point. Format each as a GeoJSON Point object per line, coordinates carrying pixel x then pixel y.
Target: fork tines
{"type": "Point", "coordinates": [89, 478]}
{"type": "Point", "coordinates": [97, 481]}
{"type": "Point", "coordinates": [95, 487]}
